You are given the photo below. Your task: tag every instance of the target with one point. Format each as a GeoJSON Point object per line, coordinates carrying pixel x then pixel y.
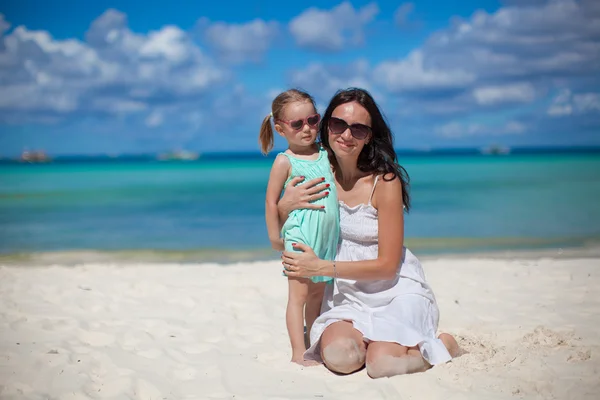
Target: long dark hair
{"type": "Point", "coordinates": [378, 156]}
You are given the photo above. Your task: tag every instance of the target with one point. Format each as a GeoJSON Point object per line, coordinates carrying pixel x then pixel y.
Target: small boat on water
{"type": "Point", "coordinates": [34, 157]}
{"type": "Point", "coordinates": [495, 149]}
{"type": "Point", "coordinates": [180, 155]}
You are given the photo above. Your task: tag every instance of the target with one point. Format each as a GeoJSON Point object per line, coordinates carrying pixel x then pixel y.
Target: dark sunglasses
{"type": "Point", "coordinates": [338, 126]}
{"type": "Point", "coordinates": [297, 124]}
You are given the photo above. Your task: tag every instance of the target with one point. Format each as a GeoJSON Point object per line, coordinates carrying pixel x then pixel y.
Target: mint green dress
{"type": "Point", "coordinates": [319, 229]}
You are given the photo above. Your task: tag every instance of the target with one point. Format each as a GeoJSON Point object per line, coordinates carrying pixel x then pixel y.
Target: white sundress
{"type": "Point", "coordinates": [401, 310]}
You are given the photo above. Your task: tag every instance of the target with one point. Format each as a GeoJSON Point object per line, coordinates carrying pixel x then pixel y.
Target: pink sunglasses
{"type": "Point", "coordinates": [297, 124]}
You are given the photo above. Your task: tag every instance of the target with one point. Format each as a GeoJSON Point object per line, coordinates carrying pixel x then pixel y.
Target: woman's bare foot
{"type": "Point", "coordinates": [451, 344]}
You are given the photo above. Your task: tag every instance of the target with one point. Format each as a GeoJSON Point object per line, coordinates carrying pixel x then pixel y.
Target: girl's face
{"type": "Point", "coordinates": [357, 121]}
{"type": "Point", "coordinates": [299, 124]}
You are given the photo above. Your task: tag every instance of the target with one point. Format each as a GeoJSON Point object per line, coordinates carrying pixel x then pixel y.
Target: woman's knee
{"type": "Point", "coordinates": [386, 365]}
{"type": "Point", "coordinates": [344, 355]}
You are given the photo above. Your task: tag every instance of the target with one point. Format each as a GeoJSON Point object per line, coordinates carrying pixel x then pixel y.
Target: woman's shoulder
{"type": "Point", "coordinates": [387, 179]}
{"type": "Point", "coordinates": [387, 188]}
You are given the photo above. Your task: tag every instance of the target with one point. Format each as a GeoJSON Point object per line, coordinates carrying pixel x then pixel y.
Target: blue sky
{"type": "Point", "coordinates": [136, 77]}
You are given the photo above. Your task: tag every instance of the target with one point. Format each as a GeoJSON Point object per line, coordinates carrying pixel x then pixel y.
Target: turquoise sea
{"type": "Point", "coordinates": [213, 208]}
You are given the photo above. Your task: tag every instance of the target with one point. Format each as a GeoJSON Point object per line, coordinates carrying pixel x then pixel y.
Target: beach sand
{"type": "Point", "coordinates": [530, 324]}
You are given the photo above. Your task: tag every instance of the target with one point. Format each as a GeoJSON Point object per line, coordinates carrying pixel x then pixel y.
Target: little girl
{"type": "Point", "coordinates": [294, 116]}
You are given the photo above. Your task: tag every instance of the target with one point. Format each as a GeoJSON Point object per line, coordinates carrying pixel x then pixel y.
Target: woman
{"type": "Point", "coordinates": [380, 311]}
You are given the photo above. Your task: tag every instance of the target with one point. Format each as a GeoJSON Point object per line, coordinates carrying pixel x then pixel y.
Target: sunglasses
{"type": "Point", "coordinates": [297, 124]}
{"type": "Point", "coordinates": [338, 126]}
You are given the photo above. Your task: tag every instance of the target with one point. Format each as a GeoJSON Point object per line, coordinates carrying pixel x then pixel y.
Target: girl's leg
{"type": "Point", "coordinates": [294, 316]}
{"type": "Point", "coordinates": [342, 348]}
{"type": "Point", "coordinates": [313, 303]}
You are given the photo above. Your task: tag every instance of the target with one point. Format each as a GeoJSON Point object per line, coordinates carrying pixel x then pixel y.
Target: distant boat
{"type": "Point", "coordinates": [181, 155]}
{"type": "Point", "coordinates": [495, 149]}
{"type": "Point", "coordinates": [34, 157]}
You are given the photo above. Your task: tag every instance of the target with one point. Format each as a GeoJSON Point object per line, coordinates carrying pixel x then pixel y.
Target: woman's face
{"type": "Point", "coordinates": [343, 144]}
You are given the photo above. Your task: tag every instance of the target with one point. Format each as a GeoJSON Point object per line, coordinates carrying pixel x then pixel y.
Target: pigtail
{"type": "Point", "coordinates": [265, 138]}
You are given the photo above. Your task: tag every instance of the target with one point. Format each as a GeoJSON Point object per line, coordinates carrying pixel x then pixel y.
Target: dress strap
{"type": "Point", "coordinates": [373, 190]}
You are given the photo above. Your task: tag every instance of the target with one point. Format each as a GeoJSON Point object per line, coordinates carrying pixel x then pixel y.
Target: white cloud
{"type": "Point", "coordinates": [557, 39]}
{"type": "Point", "coordinates": [459, 130]}
{"type": "Point", "coordinates": [154, 119]}
{"type": "Point", "coordinates": [411, 74]}
{"type": "Point", "coordinates": [4, 25]}
{"type": "Point", "coordinates": [557, 110]}
{"type": "Point", "coordinates": [114, 71]}
{"type": "Point", "coordinates": [522, 92]}
{"type": "Point", "coordinates": [566, 103]}
{"type": "Point", "coordinates": [332, 30]}
{"type": "Point", "coordinates": [403, 12]}
{"type": "Point", "coordinates": [561, 104]}
{"type": "Point", "coordinates": [240, 42]}
{"type": "Point", "coordinates": [323, 81]}
{"type": "Point", "coordinates": [169, 43]}
{"type": "Point", "coordinates": [587, 102]}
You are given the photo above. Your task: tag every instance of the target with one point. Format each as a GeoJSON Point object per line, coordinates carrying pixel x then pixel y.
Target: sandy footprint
{"type": "Point", "coordinates": [544, 337]}
{"type": "Point", "coordinates": [475, 348]}
{"type": "Point", "coordinates": [582, 355]}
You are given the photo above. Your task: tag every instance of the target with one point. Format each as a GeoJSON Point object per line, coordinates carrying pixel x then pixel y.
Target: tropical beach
{"type": "Point", "coordinates": [139, 209]}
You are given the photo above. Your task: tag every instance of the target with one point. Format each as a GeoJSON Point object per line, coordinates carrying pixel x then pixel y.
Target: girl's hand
{"type": "Point", "coordinates": [301, 196]}
{"type": "Point", "coordinates": [301, 264]}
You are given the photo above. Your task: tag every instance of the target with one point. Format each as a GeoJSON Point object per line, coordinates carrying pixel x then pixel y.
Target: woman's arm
{"type": "Point", "coordinates": [280, 171]}
{"type": "Point", "coordinates": [388, 196]}
{"type": "Point", "coordinates": [297, 197]}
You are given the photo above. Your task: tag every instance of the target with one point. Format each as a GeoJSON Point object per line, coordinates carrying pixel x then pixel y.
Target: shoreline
{"type": "Point", "coordinates": [589, 249]}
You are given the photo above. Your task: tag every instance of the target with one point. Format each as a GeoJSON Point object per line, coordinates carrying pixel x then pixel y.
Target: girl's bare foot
{"type": "Point", "coordinates": [451, 344]}
{"type": "Point", "coordinates": [305, 363]}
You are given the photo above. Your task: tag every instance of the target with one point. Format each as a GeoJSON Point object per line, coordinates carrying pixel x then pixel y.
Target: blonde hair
{"type": "Point", "coordinates": [265, 137]}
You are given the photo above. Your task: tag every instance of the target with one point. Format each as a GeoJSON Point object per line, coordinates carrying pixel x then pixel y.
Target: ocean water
{"type": "Point", "coordinates": [214, 209]}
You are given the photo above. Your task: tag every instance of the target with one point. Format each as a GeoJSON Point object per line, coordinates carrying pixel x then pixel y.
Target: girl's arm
{"type": "Point", "coordinates": [280, 171]}
{"type": "Point", "coordinates": [391, 242]}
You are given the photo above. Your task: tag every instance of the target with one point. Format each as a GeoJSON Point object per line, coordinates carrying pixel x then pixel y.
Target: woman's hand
{"type": "Point", "coordinates": [301, 196]}
{"type": "Point", "coordinates": [302, 264]}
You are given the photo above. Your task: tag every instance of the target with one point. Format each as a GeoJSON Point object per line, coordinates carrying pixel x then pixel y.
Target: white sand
{"type": "Point", "coordinates": [102, 331]}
